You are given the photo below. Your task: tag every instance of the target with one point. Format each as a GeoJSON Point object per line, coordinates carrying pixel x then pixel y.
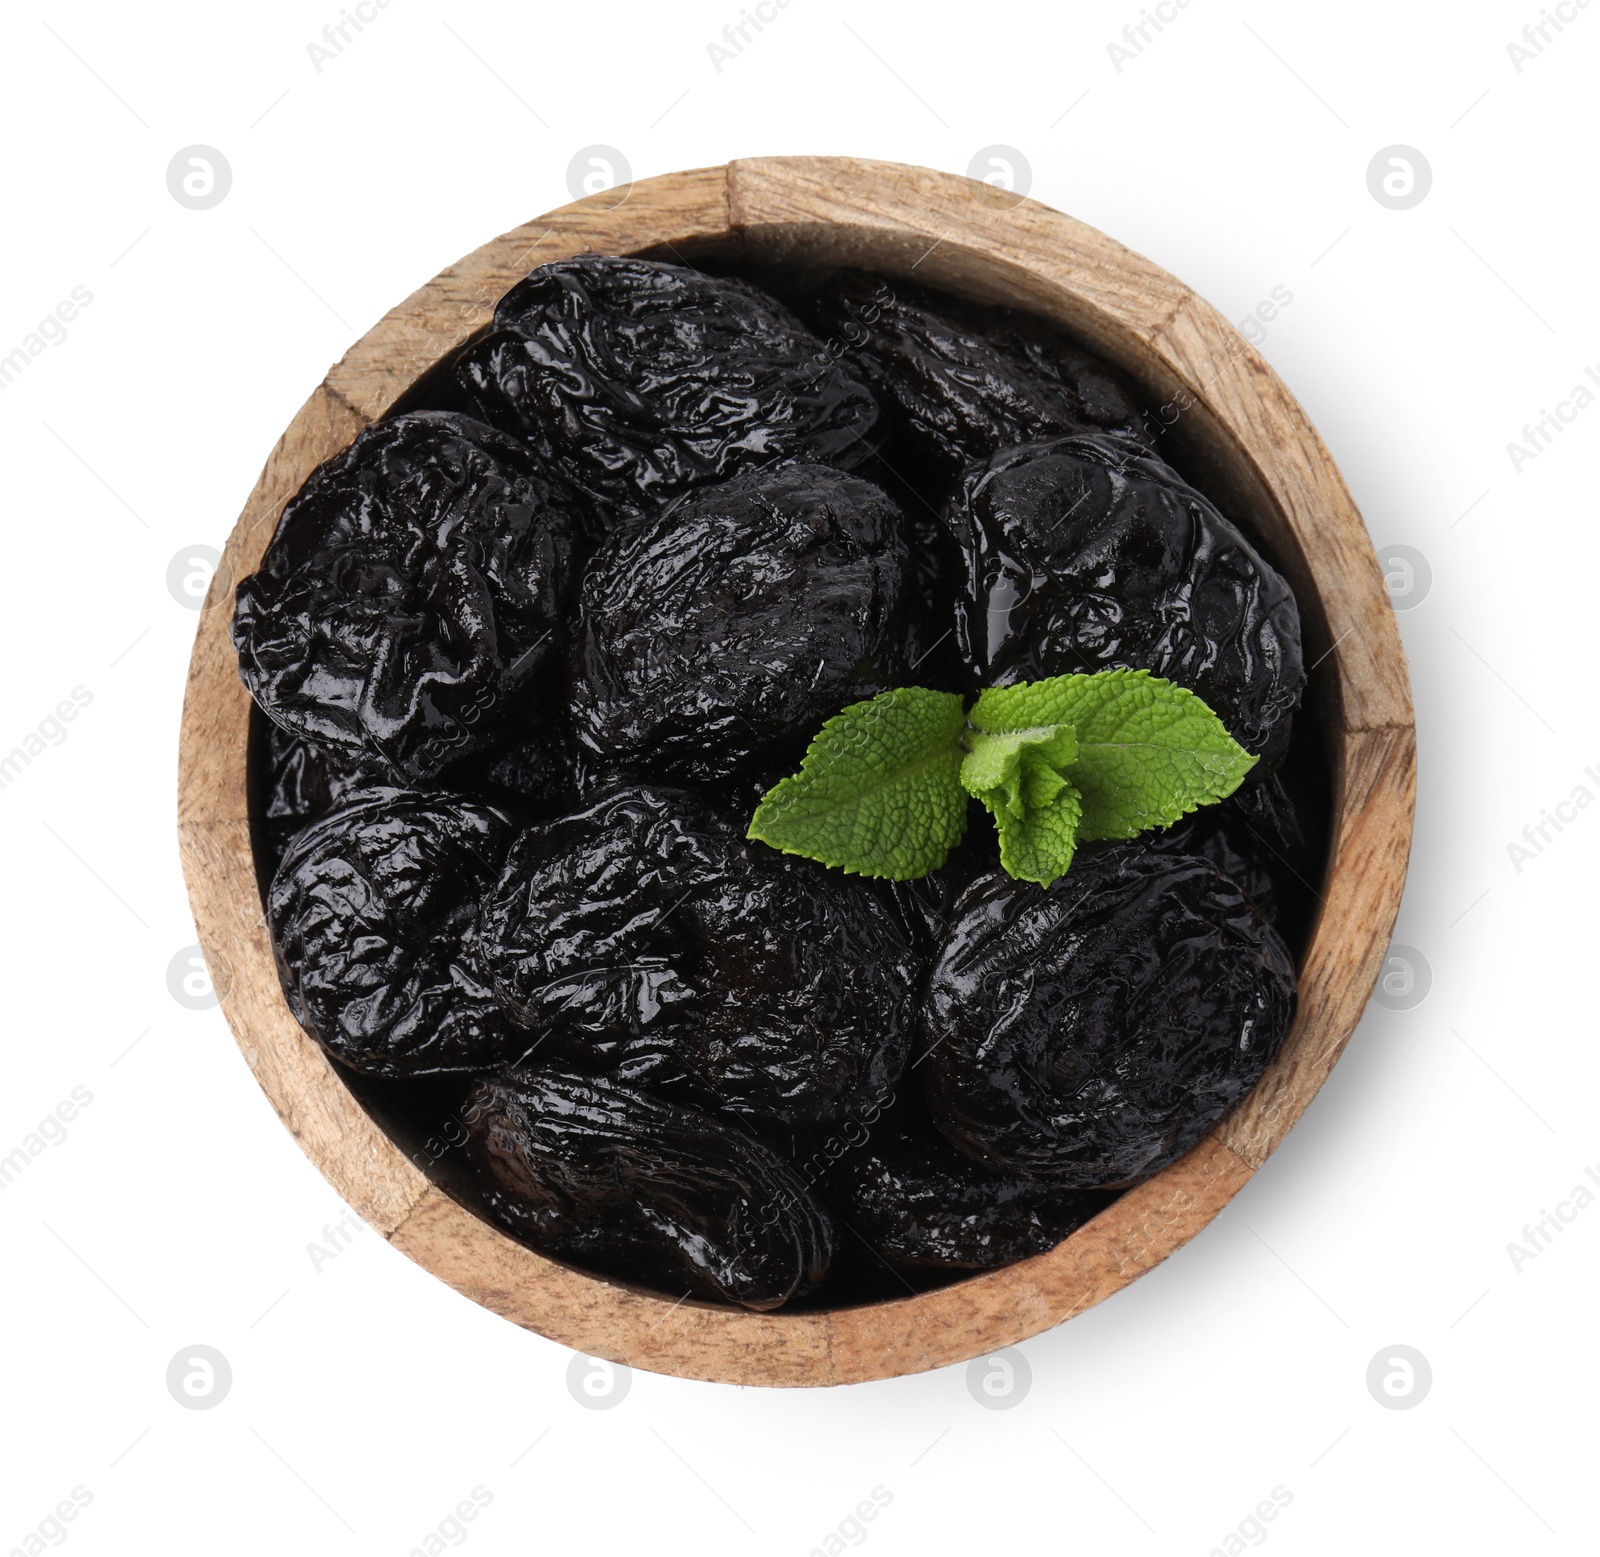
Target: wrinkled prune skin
{"type": "Point", "coordinates": [1259, 838]}
{"type": "Point", "coordinates": [1081, 556]}
{"type": "Point", "coordinates": [639, 380]}
{"type": "Point", "coordinates": [374, 917]}
{"type": "Point", "coordinates": [413, 597]}
{"type": "Point", "coordinates": [1091, 1033]}
{"type": "Point", "coordinates": [644, 937]}
{"type": "Point", "coordinates": [300, 782]}
{"type": "Point", "coordinates": [921, 1204]}
{"type": "Point", "coordinates": [964, 381]}
{"type": "Point", "coordinates": [722, 632]}
{"type": "Point", "coordinates": [654, 1191]}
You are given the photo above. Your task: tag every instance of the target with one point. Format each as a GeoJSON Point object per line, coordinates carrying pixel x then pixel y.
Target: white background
{"type": "Point", "coordinates": [367, 1398]}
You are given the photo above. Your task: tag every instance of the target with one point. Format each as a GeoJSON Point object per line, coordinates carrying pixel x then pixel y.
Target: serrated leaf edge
{"type": "Point", "coordinates": [1221, 766]}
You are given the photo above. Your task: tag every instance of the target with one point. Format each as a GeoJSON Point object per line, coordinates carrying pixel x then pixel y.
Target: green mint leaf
{"type": "Point", "coordinates": [878, 792]}
{"type": "Point", "coordinates": [1148, 752]}
{"type": "Point", "coordinates": [1042, 778]}
{"type": "Point", "coordinates": [1017, 775]}
{"type": "Point", "coordinates": [994, 764]}
{"type": "Point", "coordinates": [1038, 844]}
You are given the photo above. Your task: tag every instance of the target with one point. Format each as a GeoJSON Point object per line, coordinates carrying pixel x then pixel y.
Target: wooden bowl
{"type": "Point", "coordinates": [1237, 431]}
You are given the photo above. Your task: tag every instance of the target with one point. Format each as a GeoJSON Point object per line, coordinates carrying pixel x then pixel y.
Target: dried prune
{"type": "Point", "coordinates": [726, 629]}
{"type": "Point", "coordinates": [627, 1183]}
{"type": "Point", "coordinates": [1091, 1033]}
{"type": "Point", "coordinates": [1081, 556]}
{"type": "Point", "coordinates": [644, 937]}
{"type": "Point", "coordinates": [412, 598]}
{"type": "Point", "coordinates": [374, 916]}
{"type": "Point", "coordinates": [919, 1203]}
{"type": "Point", "coordinates": [639, 380]}
{"type": "Point", "coordinates": [965, 381]}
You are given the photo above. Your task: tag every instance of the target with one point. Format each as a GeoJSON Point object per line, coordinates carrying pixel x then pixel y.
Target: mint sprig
{"type": "Point", "coordinates": [882, 790]}
{"type": "Point", "coordinates": [1019, 776]}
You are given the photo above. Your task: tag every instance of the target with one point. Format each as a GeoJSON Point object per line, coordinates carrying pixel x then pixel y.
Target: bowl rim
{"type": "Point", "coordinates": [940, 230]}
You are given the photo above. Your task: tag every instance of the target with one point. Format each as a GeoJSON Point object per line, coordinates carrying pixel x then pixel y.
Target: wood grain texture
{"type": "Point", "coordinates": [1359, 897]}
{"type": "Point", "coordinates": [848, 1346]}
{"type": "Point", "coordinates": [1241, 432]}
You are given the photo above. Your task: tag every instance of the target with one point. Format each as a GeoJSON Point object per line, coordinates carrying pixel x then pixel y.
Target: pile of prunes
{"type": "Point", "coordinates": [528, 652]}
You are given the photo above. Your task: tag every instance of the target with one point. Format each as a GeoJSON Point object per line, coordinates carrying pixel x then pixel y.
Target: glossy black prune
{"type": "Point", "coordinates": [726, 629]}
{"type": "Point", "coordinates": [374, 917]}
{"type": "Point", "coordinates": [645, 937]}
{"type": "Point", "coordinates": [656, 1191]}
{"type": "Point", "coordinates": [413, 597]}
{"type": "Point", "coordinates": [1081, 556]}
{"type": "Point", "coordinates": [965, 381]}
{"type": "Point", "coordinates": [1091, 1033]}
{"type": "Point", "coordinates": [920, 1204]}
{"type": "Point", "coordinates": [639, 380]}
